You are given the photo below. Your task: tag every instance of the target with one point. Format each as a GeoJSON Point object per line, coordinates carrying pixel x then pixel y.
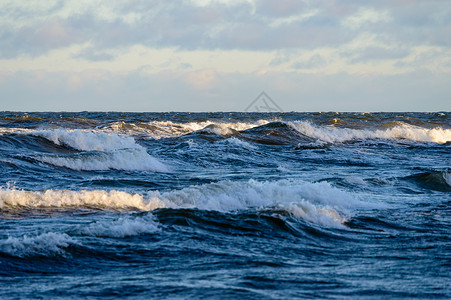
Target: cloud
{"type": "Point", "coordinates": [36, 39]}
{"type": "Point", "coordinates": [208, 90]}
{"type": "Point", "coordinates": [280, 8]}
{"type": "Point", "coordinates": [202, 80]}
{"type": "Point", "coordinates": [376, 53]}
{"type": "Point", "coordinates": [314, 61]}
{"type": "Point", "coordinates": [260, 25]}
{"type": "Point", "coordinates": [215, 54]}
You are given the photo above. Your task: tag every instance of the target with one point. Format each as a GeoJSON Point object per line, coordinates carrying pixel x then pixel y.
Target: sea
{"type": "Point", "coordinates": [223, 205]}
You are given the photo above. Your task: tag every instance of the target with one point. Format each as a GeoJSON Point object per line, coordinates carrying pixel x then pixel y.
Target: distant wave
{"type": "Point", "coordinates": [166, 129]}
{"type": "Point", "coordinates": [106, 151]}
{"type": "Point", "coordinates": [270, 131]}
{"type": "Point", "coordinates": [315, 202]}
{"type": "Point", "coordinates": [399, 132]}
{"type": "Point", "coordinates": [119, 134]}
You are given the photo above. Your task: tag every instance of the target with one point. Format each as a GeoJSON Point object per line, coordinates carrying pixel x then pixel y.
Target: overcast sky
{"type": "Point", "coordinates": [206, 55]}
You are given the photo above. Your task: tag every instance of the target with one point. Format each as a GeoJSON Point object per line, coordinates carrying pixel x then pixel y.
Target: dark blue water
{"type": "Point", "coordinates": [225, 205]}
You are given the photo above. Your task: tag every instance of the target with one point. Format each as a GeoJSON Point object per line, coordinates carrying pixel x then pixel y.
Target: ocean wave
{"type": "Point", "coordinates": [217, 129]}
{"type": "Point", "coordinates": [240, 143]}
{"type": "Point", "coordinates": [88, 140]}
{"type": "Point", "coordinates": [46, 244]}
{"type": "Point", "coordinates": [399, 131]}
{"type": "Point", "coordinates": [316, 202]}
{"type": "Point", "coordinates": [166, 129]}
{"type": "Point", "coordinates": [106, 151]}
{"type": "Point", "coordinates": [432, 180]}
{"type": "Point", "coordinates": [125, 159]}
{"type": "Point", "coordinates": [119, 134]}
{"type": "Point", "coordinates": [122, 227]}
{"type": "Point", "coordinates": [275, 133]}
{"type": "Point", "coordinates": [11, 198]}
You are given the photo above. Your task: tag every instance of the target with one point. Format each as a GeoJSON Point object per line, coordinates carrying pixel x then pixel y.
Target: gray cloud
{"type": "Point", "coordinates": [313, 62]}
{"type": "Point", "coordinates": [94, 55]}
{"type": "Point", "coordinates": [219, 26]}
{"type": "Point", "coordinates": [375, 53]}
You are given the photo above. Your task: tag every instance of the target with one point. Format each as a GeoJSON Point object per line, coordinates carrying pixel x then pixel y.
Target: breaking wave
{"type": "Point", "coordinates": [404, 132]}
{"type": "Point", "coordinates": [46, 244]}
{"type": "Point", "coordinates": [122, 227]}
{"type": "Point", "coordinates": [315, 202]}
{"type": "Point", "coordinates": [87, 140]}
{"type": "Point", "coordinates": [166, 129]}
{"type": "Point", "coordinates": [125, 159]}
{"type": "Point", "coordinates": [106, 152]}
{"type": "Point", "coordinates": [14, 198]}
{"type": "Point", "coordinates": [433, 180]}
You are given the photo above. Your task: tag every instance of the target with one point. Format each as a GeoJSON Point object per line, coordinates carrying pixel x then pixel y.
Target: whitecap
{"type": "Point", "coordinates": [88, 140]}
{"type": "Point", "coordinates": [122, 227]}
{"type": "Point", "coordinates": [316, 202]}
{"type": "Point", "coordinates": [240, 143]}
{"type": "Point", "coordinates": [16, 199]}
{"type": "Point", "coordinates": [46, 244]}
{"type": "Point", "coordinates": [331, 134]}
{"type": "Point", "coordinates": [125, 159]}
{"type": "Point", "coordinates": [166, 129]}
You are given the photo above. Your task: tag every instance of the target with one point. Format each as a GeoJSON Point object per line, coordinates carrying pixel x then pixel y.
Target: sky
{"type": "Point", "coordinates": [219, 55]}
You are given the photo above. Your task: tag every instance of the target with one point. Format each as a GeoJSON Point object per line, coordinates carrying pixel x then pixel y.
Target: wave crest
{"type": "Point", "coordinates": [46, 244]}
{"type": "Point", "coordinates": [167, 129]}
{"type": "Point", "coordinates": [88, 140]}
{"type": "Point", "coordinates": [122, 227]}
{"type": "Point", "coordinates": [126, 159]}
{"type": "Point", "coordinates": [316, 202]}
{"type": "Point", "coordinates": [106, 151]}
{"type": "Point", "coordinates": [403, 131]}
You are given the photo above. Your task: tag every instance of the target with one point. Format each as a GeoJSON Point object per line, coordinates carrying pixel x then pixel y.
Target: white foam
{"type": "Point", "coordinates": [15, 130]}
{"type": "Point", "coordinates": [14, 198]}
{"type": "Point", "coordinates": [316, 202]}
{"type": "Point", "coordinates": [46, 244]}
{"type": "Point", "coordinates": [122, 227]}
{"type": "Point", "coordinates": [125, 159]}
{"type": "Point", "coordinates": [88, 140]}
{"type": "Point", "coordinates": [113, 151]}
{"type": "Point", "coordinates": [240, 143]}
{"type": "Point", "coordinates": [166, 129]}
{"type": "Point", "coordinates": [331, 134]}
{"type": "Point", "coordinates": [218, 129]}
{"type": "Point", "coordinates": [447, 176]}
{"type": "Point", "coordinates": [355, 180]}
{"type": "Point", "coordinates": [324, 216]}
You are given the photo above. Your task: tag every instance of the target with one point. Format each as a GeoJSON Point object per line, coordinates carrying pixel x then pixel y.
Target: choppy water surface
{"type": "Point", "coordinates": [225, 205]}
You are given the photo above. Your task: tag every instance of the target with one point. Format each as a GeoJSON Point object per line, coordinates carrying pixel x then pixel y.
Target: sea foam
{"type": "Point", "coordinates": [46, 244]}
{"type": "Point", "coordinates": [404, 131]}
{"type": "Point", "coordinates": [125, 159]}
{"type": "Point", "coordinates": [16, 199]}
{"type": "Point", "coordinates": [88, 140]}
{"type": "Point", "coordinates": [107, 151]}
{"type": "Point", "coordinates": [166, 129]}
{"type": "Point", "coordinates": [122, 227]}
{"type": "Point", "coordinates": [316, 202]}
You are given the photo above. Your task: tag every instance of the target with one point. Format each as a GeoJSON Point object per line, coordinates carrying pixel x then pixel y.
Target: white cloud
{"type": "Point", "coordinates": [206, 47]}
{"type": "Point", "coordinates": [366, 16]}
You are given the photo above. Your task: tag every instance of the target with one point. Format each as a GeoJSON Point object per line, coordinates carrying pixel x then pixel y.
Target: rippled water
{"type": "Point", "coordinates": [225, 205]}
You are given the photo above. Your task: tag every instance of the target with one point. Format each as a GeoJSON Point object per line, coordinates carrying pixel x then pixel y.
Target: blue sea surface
{"type": "Point", "coordinates": [225, 205]}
